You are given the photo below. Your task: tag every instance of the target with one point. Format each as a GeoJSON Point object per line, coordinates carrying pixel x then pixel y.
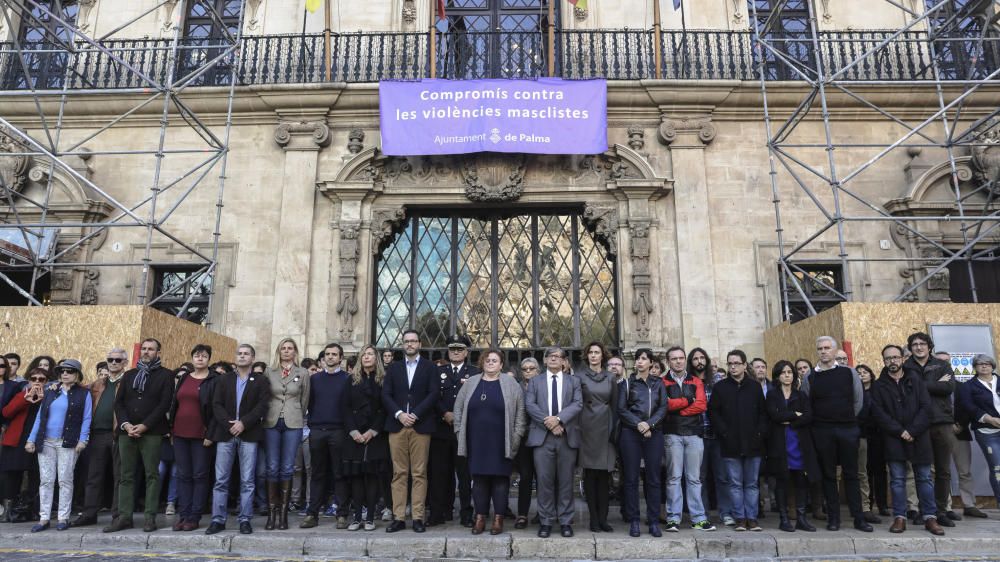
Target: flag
{"type": "Point", "coordinates": [582, 4]}
{"type": "Point", "coordinates": [441, 14]}
{"type": "Point", "coordinates": [313, 5]}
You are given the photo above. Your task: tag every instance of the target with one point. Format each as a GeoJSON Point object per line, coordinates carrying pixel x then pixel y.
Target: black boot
{"type": "Point", "coordinates": [286, 497]}
{"type": "Point", "coordinates": [785, 524]}
{"type": "Point", "coordinates": [273, 505]}
{"type": "Point", "coordinates": [801, 523]}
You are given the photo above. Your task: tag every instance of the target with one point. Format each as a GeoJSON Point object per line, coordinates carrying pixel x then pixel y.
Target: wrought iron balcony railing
{"type": "Point", "coordinates": [577, 54]}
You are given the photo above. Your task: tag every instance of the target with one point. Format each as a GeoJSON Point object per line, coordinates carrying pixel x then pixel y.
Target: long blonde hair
{"type": "Point", "coordinates": [276, 363]}
{"type": "Point", "coordinates": [359, 370]}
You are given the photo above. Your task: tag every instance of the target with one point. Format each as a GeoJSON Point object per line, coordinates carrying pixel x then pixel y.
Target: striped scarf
{"type": "Point", "coordinates": [139, 383]}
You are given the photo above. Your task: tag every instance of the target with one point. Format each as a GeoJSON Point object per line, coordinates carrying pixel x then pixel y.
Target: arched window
{"type": "Point", "coordinates": [520, 282]}
{"type": "Point", "coordinates": [210, 26]}
{"type": "Point", "coordinates": [44, 40]}
{"type": "Point", "coordinates": [494, 39]}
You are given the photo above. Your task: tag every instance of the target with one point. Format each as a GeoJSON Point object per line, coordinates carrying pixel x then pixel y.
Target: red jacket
{"type": "Point", "coordinates": [21, 415]}
{"type": "Point", "coordinates": [685, 405]}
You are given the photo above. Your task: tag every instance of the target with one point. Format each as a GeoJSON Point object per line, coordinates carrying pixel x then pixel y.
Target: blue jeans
{"type": "Point", "coordinates": [990, 444]}
{"type": "Point", "coordinates": [170, 467]}
{"type": "Point", "coordinates": [743, 473]}
{"type": "Point", "coordinates": [225, 454]}
{"type": "Point", "coordinates": [635, 449]}
{"type": "Point", "coordinates": [685, 453]}
{"type": "Point", "coordinates": [925, 488]}
{"type": "Point", "coordinates": [717, 470]}
{"type": "Point", "coordinates": [282, 445]}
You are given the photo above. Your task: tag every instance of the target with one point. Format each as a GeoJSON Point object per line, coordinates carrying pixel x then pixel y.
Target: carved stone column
{"type": "Point", "coordinates": [687, 139]}
{"type": "Point", "coordinates": [302, 142]}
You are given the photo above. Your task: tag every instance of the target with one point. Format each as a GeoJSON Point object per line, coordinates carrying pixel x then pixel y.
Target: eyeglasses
{"type": "Point", "coordinates": [918, 344]}
{"type": "Point", "coordinates": [115, 359]}
{"type": "Point", "coordinates": [38, 379]}
{"type": "Point", "coordinates": [67, 371]}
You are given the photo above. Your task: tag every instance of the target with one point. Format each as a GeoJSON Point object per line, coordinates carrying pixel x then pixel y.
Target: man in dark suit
{"type": "Point", "coordinates": [410, 392]}
{"type": "Point", "coordinates": [553, 402]}
{"type": "Point", "coordinates": [239, 404]}
{"type": "Point", "coordinates": [444, 462]}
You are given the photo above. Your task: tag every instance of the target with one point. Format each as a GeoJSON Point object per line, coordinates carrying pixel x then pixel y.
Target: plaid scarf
{"type": "Point", "coordinates": [139, 383]}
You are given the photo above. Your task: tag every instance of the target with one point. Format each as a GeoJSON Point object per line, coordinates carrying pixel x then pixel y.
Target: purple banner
{"type": "Point", "coordinates": [544, 116]}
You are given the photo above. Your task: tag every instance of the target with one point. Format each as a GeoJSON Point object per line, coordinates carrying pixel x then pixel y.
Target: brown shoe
{"type": "Point", "coordinates": [190, 526]}
{"type": "Point", "coordinates": [178, 525]}
{"type": "Point", "coordinates": [753, 525]}
{"type": "Point", "coordinates": [479, 525]}
{"type": "Point", "coordinates": [497, 527]}
{"type": "Point", "coordinates": [933, 527]}
{"type": "Point", "coordinates": [898, 525]}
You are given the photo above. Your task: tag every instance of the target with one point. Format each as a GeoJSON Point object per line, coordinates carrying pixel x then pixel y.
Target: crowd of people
{"type": "Point", "coordinates": [325, 437]}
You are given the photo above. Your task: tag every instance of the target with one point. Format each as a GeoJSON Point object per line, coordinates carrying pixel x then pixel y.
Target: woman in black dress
{"type": "Point", "coordinates": [366, 453]}
{"type": "Point", "coordinates": [525, 461]}
{"type": "Point", "coordinates": [490, 421]}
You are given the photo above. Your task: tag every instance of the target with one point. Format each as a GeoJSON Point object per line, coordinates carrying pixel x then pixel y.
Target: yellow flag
{"type": "Point", "coordinates": [313, 5]}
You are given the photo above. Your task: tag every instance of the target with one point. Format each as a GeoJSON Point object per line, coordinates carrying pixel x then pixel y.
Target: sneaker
{"type": "Point", "coordinates": [304, 511]}
{"type": "Point", "coordinates": [354, 526]}
{"type": "Point", "coordinates": [705, 525]}
{"type": "Point", "coordinates": [341, 522]}
{"type": "Point", "coordinates": [171, 509]}
{"type": "Point", "coordinates": [740, 525]}
{"type": "Point", "coordinates": [672, 526]}
{"type": "Point", "coordinates": [728, 521]}
{"type": "Point", "coordinates": [752, 525]}
{"type": "Point", "coordinates": [386, 514]}
{"type": "Point", "coordinates": [369, 525]}
{"type": "Point", "coordinates": [331, 510]}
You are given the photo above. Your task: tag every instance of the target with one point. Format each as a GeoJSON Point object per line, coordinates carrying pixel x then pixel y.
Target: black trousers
{"type": "Point", "coordinates": [797, 480]}
{"type": "Point", "coordinates": [877, 475]}
{"type": "Point", "coordinates": [486, 488]}
{"type": "Point", "coordinates": [839, 445]}
{"type": "Point", "coordinates": [103, 449]}
{"type": "Point", "coordinates": [597, 489]}
{"type": "Point", "coordinates": [363, 490]}
{"type": "Point", "coordinates": [525, 463]}
{"type": "Point", "coordinates": [637, 450]}
{"type": "Point", "coordinates": [443, 467]}
{"type": "Point", "coordinates": [325, 446]}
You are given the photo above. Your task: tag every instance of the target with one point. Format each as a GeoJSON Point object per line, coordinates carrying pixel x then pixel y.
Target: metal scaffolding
{"type": "Point", "coordinates": [36, 235]}
{"type": "Point", "coordinates": [959, 71]}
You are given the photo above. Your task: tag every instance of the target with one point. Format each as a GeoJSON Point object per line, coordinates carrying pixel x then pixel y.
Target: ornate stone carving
{"type": "Point", "coordinates": [986, 153]}
{"type": "Point", "coordinates": [642, 300]}
{"type": "Point", "coordinates": [12, 168]}
{"type": "Point", "coordinates": [89, 293]}
{"type": "Point", "coordinates": [253, 11]}
{"type": "Point", "coordinates": [580, 13]}
{"type": "Point", "coordinates": [355, 141]}
{"type": "Point", "coordinates": [62, 279]}
{"type": "Point", "coordinates": [636, 137]}
{"type": "Point", "coordinates": [737, 14]}
{"type": "Point", "coordinates": [384, 222]}
{"type": "Point", "coordinates": [302, 135]}
{"type": "Point", "coordinates": [83, 17]}
{"type": "Point", "coordinates": [937, 288]}
{"type": "Point", "coordinates": [409, 12]}
{"type": "Point", "coordinates": [686, 130]}
{"type": "Point", "coordinates": [493, 178]}
{"type": "Point", "coordinates": [603, 220]}
{"type": "Point", "coordinates": [827, 16]}
{"type": "Point", "coordinates": [347, 306]}
{"type": "Point", "coordinates": [168, 15]}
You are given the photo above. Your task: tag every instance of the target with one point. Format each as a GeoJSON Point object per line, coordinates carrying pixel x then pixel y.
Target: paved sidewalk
{"type": "Point", "coordinates": [973, 538]}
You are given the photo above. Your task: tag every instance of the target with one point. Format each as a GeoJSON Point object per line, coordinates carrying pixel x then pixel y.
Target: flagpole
{"type": "Point", "coordinates": [432, 48]}
{"type": "Point", "coordinates": [326, 39]}
{"type": "Point", "coordinates": [684, 35]}
{"type": "Point", "coordinates": [657, 46]}
{"type": "Point", "coordinates": [552, 38]}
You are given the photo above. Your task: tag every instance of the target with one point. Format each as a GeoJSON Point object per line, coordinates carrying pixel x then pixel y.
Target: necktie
{"type": "Point", "coordinates": [555, 397]}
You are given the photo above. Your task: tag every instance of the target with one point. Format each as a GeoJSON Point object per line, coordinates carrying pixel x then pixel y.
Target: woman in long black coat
{"type": "Point", "coordinates": [366, 453]}
{"type": "Point", "coordinates": [791, 458]}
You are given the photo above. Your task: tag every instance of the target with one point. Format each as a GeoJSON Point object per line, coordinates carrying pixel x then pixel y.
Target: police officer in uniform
{"type": "Point", "coordinates": [444, 462]}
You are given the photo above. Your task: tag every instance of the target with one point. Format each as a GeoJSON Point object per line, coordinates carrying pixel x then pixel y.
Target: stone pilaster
{"type": "Point", "coordinates": [302, 141]}
{"type": "Point", "coordinates": [687, 139]}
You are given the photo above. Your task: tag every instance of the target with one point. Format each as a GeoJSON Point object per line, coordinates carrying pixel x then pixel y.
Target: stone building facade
{"type": "Point", "coordinates": [677, 218]}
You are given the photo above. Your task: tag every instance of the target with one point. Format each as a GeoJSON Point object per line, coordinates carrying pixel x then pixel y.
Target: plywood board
{"type": "Point", "coordinates": [178, 337]}
{"type": "Point", "coordinates": [794, 341]}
